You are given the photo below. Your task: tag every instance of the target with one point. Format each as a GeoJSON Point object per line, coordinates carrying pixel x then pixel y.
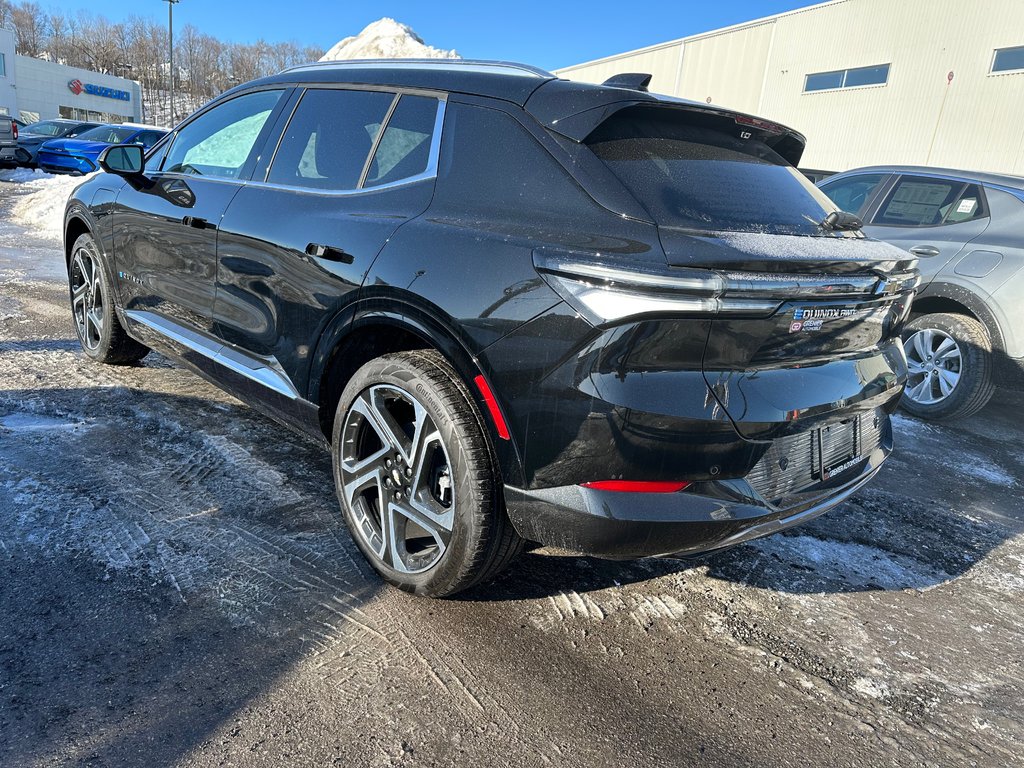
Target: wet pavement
{"type": "Point", "coordinates": [177, 588]}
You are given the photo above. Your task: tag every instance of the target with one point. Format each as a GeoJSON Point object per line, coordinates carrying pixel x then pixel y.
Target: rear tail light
{"type": "Point", "coordinates": [609, 291]}
{"type": "Point", "coordinates": [14, 126]}
{"type": "Point", "coordinates": [638, 486]}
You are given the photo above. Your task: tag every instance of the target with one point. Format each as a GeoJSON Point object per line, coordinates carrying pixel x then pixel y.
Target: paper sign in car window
{"type": "Point", "coordinates": [967, 205]}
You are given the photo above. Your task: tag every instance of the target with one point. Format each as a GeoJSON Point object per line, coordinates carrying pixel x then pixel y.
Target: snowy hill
{"type": "Point", "coordinates": [386, 39]}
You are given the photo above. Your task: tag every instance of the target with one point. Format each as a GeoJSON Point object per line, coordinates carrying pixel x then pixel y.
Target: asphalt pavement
{"type": "Point", "coordinates": [177, 588]}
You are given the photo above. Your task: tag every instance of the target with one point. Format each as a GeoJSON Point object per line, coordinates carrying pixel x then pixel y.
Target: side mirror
{"type": "Point", "coordinates": [123, 160]}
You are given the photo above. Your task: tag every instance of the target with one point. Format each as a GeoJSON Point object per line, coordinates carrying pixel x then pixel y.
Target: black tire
{"type": "Point", "coordinates": [106, 341]}
{"type": "Point", "coordinates": [974, 387]}
{"type": "Point", "coordinates": [481, 541]}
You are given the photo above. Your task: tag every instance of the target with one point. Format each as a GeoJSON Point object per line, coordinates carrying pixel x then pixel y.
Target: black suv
{"type": "Point", "coordinates": [517, 308]}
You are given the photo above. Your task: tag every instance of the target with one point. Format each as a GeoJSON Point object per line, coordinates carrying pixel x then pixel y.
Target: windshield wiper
{"type": "Point", "coordinates": [840, 221]}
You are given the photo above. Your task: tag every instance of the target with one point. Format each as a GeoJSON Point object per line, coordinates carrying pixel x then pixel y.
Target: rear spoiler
{"type": "Point", "coordinates": [574, 112]}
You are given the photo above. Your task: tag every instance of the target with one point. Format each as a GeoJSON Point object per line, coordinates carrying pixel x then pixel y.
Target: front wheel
{"type": "Point", "coordinates": [417, 477]}
{"type": "Point", "coordinates": [92, 306]}
{"type": "Point", "coordinates": [949, 363]}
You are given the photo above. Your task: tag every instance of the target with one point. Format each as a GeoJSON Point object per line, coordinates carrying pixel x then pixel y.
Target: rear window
{"type": "Point", "coordinates": [707, 173]}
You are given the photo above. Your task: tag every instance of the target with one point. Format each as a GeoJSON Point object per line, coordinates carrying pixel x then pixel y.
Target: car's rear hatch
{"type": "Point", "coordinates": [6, 130]}
{"type": "Point", "coordinates": [809, 319]}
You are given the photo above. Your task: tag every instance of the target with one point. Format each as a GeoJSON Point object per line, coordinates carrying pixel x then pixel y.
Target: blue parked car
{"type": "Point", "coordinates": [80, 155]}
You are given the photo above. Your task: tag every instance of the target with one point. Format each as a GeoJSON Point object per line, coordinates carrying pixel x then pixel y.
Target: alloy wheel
{"type": "Point", "coordinates": [87, 297]}
{"type": "Point", "coordinates": [934, 363]}
{"type": "Point", "coordinates": [397, 479]}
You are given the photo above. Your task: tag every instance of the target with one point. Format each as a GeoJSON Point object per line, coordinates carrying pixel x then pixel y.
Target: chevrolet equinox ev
{"type": "Point", "coordinates": [518, 309]}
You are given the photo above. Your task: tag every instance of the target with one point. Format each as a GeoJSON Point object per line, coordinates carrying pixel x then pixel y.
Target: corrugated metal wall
{"type": "Point", "coordinates": [661, 61]}
{"type": "Point", "coordinates": [761, 68]}
{"type": "Point", "coordinates": [727, 68]}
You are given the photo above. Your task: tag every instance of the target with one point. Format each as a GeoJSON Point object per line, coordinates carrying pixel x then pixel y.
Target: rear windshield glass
{"type": "Point", "coordinates": [707, 173]}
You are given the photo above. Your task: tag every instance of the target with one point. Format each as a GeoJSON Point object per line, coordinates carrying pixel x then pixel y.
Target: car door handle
{"type": "Point", "coordinates": [924, 250]}
{"type": "Point", "coordinates": [197, 223]}
{"type": "Point", "coordinates": [329, 253]}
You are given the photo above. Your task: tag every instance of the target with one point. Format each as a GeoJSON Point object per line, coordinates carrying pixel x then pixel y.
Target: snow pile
{"type": "Point", "coordinates": [386, 39]}
{"type": "Point", "coordinates": [42, 209]}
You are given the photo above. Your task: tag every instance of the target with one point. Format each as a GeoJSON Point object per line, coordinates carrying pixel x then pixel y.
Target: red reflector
{"type": "Point", "coordinates": [492, 406]}
{"type": "Point", "coordinates": [637, 486]}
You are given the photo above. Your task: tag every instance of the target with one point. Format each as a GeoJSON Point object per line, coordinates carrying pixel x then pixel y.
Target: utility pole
{"type": "Point", "coordinates": [170, 38]}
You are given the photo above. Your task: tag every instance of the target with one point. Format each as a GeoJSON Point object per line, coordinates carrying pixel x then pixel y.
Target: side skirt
{"type": "Point", "coordinates": [256, 381]}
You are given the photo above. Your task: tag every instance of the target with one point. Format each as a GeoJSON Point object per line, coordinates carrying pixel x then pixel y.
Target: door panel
{"type": "Point", "coordinates": [293, 251]}
{"type": "Point", "coordinates": [165, 245]}
{"type": "Point", "coordinates": [165, 223]}
{"type": "Point", "coordinates": [933, 218]}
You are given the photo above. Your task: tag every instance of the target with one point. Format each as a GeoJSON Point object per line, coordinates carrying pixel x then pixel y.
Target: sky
{"type": "Point", "coordinates": [545, 34]}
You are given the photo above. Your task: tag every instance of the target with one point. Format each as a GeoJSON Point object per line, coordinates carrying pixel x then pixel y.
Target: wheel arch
{"type": "Point", "coordinates": [75, 225]}
{"type": "Point", "coordinates": [949, 298]}
{"type": "Point", "coordinates": [373, 329]}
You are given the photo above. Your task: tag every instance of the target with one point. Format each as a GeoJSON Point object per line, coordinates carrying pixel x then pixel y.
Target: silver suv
{"type": "Point", "coordinates": [966, 334]}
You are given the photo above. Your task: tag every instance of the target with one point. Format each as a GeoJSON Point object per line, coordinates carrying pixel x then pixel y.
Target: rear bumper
{"type": "Point", "coordinates": [706, 516]}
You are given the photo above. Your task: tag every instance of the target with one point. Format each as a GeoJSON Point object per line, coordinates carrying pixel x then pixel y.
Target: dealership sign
{"type": "Point", "coordinates": [77, 87]}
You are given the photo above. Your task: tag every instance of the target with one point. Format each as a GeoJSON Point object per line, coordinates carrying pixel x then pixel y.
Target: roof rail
{"type": "Point", "coordinates": [469, 64]}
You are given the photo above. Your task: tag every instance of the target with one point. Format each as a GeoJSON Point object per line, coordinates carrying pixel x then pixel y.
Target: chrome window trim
{"type": "Point", "coordinates": [264, 371]}
{"type": "Point", "coordinates": [429, 173]}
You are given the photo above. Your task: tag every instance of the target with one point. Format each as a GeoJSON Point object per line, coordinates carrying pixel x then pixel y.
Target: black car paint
{"type": "Point", "coordinates": [450, 262]}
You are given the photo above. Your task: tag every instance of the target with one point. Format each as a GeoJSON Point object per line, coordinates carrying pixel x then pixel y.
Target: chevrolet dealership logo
{"type": "Point", "coordinates": [77, 87]}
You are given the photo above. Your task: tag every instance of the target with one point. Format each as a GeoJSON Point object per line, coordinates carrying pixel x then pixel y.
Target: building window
{"type": "Point", "coordinates": [1008, 59]}
{"type": "Point", "coordinates": [3, 66]}
{"type": "Point", "coordinates": [847, 78]}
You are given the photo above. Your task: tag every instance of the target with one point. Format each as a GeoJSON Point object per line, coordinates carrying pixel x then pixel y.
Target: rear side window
{"type": "Point", "coordinates": [404, 149]}
{"type": "Point", "coordinates": [218, 142]}
{"type": "Point", "coordinates": [148, 138]}
{"type": "Point", "coordinates": [918, 201]}
{"type": "Point", "coordinates": [852, 194]}
{"type": "Point", "coordinates": [688, 171]}
{"type": "Point", "coordinates": [329, 138]}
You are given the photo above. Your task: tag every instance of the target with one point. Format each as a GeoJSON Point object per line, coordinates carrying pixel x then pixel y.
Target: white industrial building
{"type": "Point", "coordinates": [35, 89]}
{"type": "Point", "coordinates": [926, 82]}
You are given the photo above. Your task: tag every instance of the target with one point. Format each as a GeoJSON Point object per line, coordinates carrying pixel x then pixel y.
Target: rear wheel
{"type": "Point", "coordinates": [949, 362]}
{"type": "Point", "coordinates": [417, 478]}
{"type": "Point", "coordinates": [92, 306]}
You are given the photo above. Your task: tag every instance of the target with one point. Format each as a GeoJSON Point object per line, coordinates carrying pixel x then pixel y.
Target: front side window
{"type": "Point", "coordinates": [329, 138]}
{"type": "Point", "coordinates": [852, 194]}
{"type": "Point", "coordinates": [218, 142]}
{"type": "Point", "coordinates": [847, 78]}
{"type": "Point", "coordinates": [47, 128]}
{"type": "Point", "coordinates": [1008, 59]}
{"type": "Point", "coordinates": [918, 201]}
